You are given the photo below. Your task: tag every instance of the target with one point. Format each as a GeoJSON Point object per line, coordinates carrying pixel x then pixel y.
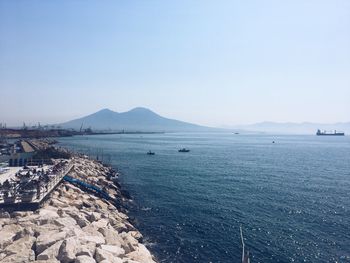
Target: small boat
{"type": "Point", "coordinates": [151, 153]}
{"type": "Point", "coordinates": [184, 150]}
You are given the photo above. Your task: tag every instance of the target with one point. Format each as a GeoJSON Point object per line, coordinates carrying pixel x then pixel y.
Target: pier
{"type": "Point", "coordinates": [27, 188]}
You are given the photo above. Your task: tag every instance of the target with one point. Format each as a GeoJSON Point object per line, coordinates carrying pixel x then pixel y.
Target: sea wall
{"type": "Point", "coordinates": [74, 225]}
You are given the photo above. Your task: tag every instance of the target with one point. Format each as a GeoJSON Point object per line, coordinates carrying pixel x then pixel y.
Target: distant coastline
{"type": "Point", "coordinates": [13, 133]}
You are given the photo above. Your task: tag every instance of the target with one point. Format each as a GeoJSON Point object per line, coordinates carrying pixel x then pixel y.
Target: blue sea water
{"type": "Point", "coordinates": [292, 198]}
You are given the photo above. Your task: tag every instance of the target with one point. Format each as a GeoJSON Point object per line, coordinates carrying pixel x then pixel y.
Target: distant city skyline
{"type": "Point", "coordinates": [213, 64]}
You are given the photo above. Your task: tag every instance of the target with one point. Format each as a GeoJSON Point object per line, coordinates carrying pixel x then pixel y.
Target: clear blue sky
{"type": "Point", "coordinates": [208, 62]}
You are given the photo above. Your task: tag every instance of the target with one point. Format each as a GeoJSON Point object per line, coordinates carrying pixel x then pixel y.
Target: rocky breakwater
{"type": "Point", "coordinates": [74, 225]}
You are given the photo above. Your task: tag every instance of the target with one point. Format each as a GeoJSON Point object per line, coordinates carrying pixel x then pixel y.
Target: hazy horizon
{"type": "Point", "coordinates": [213, 64]}
{"type": "Point", "coordinates": [258, 126]}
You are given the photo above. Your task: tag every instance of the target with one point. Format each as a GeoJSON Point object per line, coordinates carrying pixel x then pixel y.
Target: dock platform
{"type": "Point", "coordinates": [27, 191]}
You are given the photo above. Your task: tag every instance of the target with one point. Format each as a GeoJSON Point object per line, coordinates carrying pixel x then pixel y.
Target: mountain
{"type": "Point", "coordinates": [295, 128]}
{"type": "Point", "coordinates": [137, 119]}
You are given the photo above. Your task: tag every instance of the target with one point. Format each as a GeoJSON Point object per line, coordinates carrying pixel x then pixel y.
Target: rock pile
{"type": "Point", "coordinates": [73, 226]}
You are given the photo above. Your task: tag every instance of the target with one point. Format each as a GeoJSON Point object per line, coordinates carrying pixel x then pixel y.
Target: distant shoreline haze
{"type": "Point", "coordinates": [141, 119]}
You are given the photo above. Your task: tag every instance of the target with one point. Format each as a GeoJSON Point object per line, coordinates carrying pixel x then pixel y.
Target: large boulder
{"type": "Point", "coordinates": [84, 259]}
{"type": "Point", "coordinates": [102, 223]}
{"type": "Point", "coordinates": [84, 251]}
{"type": "Point", "coordinates": [106, 256]}
{"type": "Point", "coordinates": [136, 234]}
{"type": "Point", "coordinates": [118, 225]}
{"type": "Point", "coordinates": [47, 239]}
{"type": "Point", "coordinates": [45, 229]}
{"type": "Point", "coordinates": [115, 250]}
{"type": "Point", "coordinates": [58, 203]}
{"type": "Point", "coordinates": [141, 254]}
{"type": "Point", "coordinates": [129, 242]}
{"type": "Point", "coordinates": [68, 250]}
{"type": "Point", "coordinates": [115, 260]}
{"type": "Point", "coordinates": [79, 217]}
{"type": "Point", "coordinates": [30, 218]}
{"type": "Point", "coordinates": [21, 249]}
{"type": "Point", "coordinates": [97, 240]}
{"type": "Point", "coordinates": [64, 221]}
{"type": "Point", "coordinates": [8, 234]}
{"type": "Point", "coordinates": [91, 234]}
{"type": "Point", "coordinates": [47, 215]}
{"type": "Point", "coordinates": [111, 236]}
{"type": "Point", "coordinates": [51, 252]}
{"type": "Point", "coordinates": [47, 261]}
{"type": "Point", "coordinates": [88, 249]}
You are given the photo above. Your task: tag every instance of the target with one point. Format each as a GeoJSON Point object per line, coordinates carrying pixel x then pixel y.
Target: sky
{"type": "Point", "coordinates": [207, 62]}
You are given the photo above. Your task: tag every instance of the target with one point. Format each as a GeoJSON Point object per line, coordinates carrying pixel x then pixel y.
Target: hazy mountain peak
{"type": "Point", "coordinates": [105, 110]}
{"type": "Point", "coordinates": [140, 110]}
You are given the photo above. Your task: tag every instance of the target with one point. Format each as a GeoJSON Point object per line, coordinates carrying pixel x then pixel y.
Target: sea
{"type": "Point", "coordinates": [290, 194]}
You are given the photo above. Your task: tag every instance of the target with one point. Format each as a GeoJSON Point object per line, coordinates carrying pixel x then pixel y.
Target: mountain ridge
{"type": "Point", "coordinates": [136, 119]}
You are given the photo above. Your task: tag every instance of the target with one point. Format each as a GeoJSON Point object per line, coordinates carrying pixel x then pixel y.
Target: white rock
{"type": "Point", "coordinates": [47, 261]}
{"type": "Point", "coordinates": [51, 252]}
{"type": "Point", "coordinates": [64, 221]}
{"type": "Point", "coordinates": [46, 215]}
{"type": "Point", "coordinates": [47, 239]}
{"type": "Point", "coordinates": [22, 248]}
{"type": "Point", "coordinates": [92, 239]}
{"type": "Point", "coordinates": [91, 234]}
{"type": "Point", "coordinates": [46, 228]}
{"type": "Point", "coordinates": [130, 243]}
{"type": "Point", "coordinates": [105, 256]}
{"type": "Point", "coordinates": [136, 234]}
{"type": "Point", "coordinates": [78, 217]}
{"type": "Point", "coordinates": [87, 249]}
{"type": "Point", "coordinates": [84, 251]}
{"type": "Point", "coordinates": [115, 250]}
{"type": "Point", "coordinates": [141, 254]}
{"type": "Point", "coordinates": [102, 223]}
{"type": "Point", "coordinates": [7, 234]}
{"type": "Point", "coordinates": [115, 260]}
{"type": "Point", "coordinates": [84, 259]}
{"type": "Point", "coordinates": [58, 203]}
{"type": "Point", "coordinates": [68, 250]}
{"type": "Point", "coordinates": [117, 225]}
{"type": "Point", "coordinates": [111, 236]}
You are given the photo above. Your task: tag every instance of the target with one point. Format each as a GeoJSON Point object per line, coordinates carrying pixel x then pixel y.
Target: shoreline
{"type": "Point", "coordinates": [75, 225]}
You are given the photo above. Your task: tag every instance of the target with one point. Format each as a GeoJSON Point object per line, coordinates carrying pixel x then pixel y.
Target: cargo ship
{"type": "Point", "coordinates": [335, 133]}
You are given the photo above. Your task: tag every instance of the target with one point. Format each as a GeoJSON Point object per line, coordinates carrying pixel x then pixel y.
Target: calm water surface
{"type": "Point", "coordinates": [291, 197]}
